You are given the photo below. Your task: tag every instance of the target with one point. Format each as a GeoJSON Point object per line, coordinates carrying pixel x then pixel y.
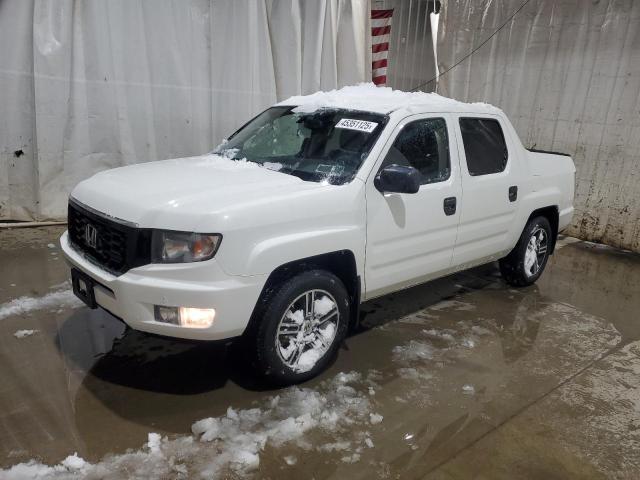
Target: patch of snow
{"type": "Point", "coordinates": [468, 343]}
{"type": "Point", "coordinates": [347, 377]}
{"type": "Point", "coordinates": [223, 158]}
{"type": "Point", "coordinates": [311, 356]}
{"type": "Point", "coordinates": [480, 330]}
{"type": "Point", "coordinates": [24, 305]}
{"type": "Point", "coordinates": [413, 351]}
{"type": "Point", "coordinates": [308, 360]}
{"type": "Point", "coordinates": [368, 442]}
{"type": "Point", "coordinates": [154, 442]}
{"type": "Point", "coordinates": [290, 460]}
{"type": "Point", "coordinates": [351, 458]}
{"type": "Point", "coordinates": [335, 446]}
{"type": "Point", "coordinates": [74, 462]}
{"type": "Point", "coordinates": [443, 334]}
{"type": "Point", "coordinates": [24, 333]}
{"type": "Point", "coordinates": [230, 152]}
{"type": "Point", "coordinates": [468, 389]}
{"type": "Point", "coordinates": [375, 418]}
{"type": "Point", "coordinates": [275, 166]}
{"type": "Point", "coordinates": [372, 391]}
{"type": "Point", "coordinates": [220, 145]}
{"type": "Point", "coordinates": [229, 445]}
{"type": "Point", "coordinates": [297, 317]}
{"type": "Point", "coordinates": [414, 374]}
{"type": "Point", "coordinates": [328, 332]}
{"type": "Point", "coordinates": [223, 161]}
{"type": "Point", "coordinates": [323, 305]}
{"type": "Point", "coordinates": [50, 245]}
{"type": "Point", "coordinates": [368, 97]}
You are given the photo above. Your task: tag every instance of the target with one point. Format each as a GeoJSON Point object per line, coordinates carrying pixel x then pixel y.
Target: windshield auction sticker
{"type": "Point", "coordinates": [359, 125]}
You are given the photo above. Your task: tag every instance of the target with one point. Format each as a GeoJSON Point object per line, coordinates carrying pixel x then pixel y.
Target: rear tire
{"type": "Point", "coordinates": [526, 262]}
{"type": "Point", "coordinates": [303, 324]}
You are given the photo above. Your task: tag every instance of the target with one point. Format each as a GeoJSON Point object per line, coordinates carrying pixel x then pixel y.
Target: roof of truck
{"type": "Point", "coordinates": [370, 98]}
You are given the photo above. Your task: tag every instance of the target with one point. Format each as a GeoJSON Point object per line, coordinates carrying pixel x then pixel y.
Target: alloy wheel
{"type": "Point", "coordinates": [307, 330]}
{"type": "Point", "coordinates": [536, 252]}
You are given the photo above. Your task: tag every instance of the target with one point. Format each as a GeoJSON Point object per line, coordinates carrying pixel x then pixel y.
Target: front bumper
{"type": "Point", "coordinates": [132, 296]}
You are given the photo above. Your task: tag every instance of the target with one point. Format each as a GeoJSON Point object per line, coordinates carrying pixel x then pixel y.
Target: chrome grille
{"type": "Point", "coordinates": [111, 244]}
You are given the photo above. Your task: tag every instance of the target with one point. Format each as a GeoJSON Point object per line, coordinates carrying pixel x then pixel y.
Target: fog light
{"type": "Point", "coordinates": [185, 316]}
{"type": "Point", "coordinates": [196, 317]}
{"type": "Point", "coordinates": [167, 315]}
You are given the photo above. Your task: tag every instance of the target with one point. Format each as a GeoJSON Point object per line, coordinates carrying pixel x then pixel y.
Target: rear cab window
{"type": "Point", "coordinates": [485, 147]}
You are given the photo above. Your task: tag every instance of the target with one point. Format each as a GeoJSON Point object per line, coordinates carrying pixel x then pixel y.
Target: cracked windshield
{"type": "Point", "coordinates": [328, 145]}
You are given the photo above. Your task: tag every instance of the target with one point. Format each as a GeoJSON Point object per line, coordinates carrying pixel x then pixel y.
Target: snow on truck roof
{"type": "Point", "coordinates": [370, 98]}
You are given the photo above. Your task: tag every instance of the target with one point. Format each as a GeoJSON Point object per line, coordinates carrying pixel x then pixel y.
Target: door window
{"type": "Point", "coordinates": [423, 145]}
{"type": "Point", "coordinates": [484, 146]}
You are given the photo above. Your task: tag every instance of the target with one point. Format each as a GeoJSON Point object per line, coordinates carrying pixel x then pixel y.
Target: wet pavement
{"type": "Point", "coordinates": [464, 377]}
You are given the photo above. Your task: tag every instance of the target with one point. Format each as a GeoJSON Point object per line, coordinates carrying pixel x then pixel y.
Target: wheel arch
{"type": "Point", "coordinates": [341, 263]}
{"type": "Point", "coordinates": [551, 213]}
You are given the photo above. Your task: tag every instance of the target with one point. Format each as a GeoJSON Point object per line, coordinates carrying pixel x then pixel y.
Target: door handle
{"type": "Point", "coordinates": [449, 205]}
{"type": "Point", "coordinates": [513, 193]}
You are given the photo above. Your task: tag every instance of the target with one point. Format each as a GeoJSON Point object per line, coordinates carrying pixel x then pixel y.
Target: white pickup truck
{"type": "Point", "coordinates": [317, 204]}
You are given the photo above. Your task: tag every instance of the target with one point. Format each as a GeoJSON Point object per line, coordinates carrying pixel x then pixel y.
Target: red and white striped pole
{"type": "Point", "coordinates": [380, 34]}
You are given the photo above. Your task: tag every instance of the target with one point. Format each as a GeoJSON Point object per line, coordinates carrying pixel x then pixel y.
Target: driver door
{"type": "Point", "coordinates": [410, 237]}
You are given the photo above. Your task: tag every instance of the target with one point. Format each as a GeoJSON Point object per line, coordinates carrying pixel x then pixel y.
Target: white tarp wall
{"type": "Point", "coordinates": [567, 72]}
{"type": "Point", "coordinates": [90, 85]}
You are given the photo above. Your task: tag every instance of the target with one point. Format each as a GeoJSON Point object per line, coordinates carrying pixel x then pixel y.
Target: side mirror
{"type": "Point", "coordinates": [397, 179]}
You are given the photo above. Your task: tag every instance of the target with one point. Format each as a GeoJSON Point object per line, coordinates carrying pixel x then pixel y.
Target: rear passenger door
{"type": "Point", "coordinates": [410, 237]}
{"type": "Point", "coordinates": [489, 202]}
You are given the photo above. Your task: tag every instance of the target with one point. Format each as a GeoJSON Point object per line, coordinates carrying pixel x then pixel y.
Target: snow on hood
{"type": "Point", "coordinates": [368, 97]}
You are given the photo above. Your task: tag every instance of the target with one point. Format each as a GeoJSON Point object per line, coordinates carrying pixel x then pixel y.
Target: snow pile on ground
{"type": "Point", "coordinates": [368, 97]}
{"type": "Point", "coordinates": [412, 351]}
{"type": "Point", "coordinates": [24, 333]}
{"type": "Point", "coordinates": [411, 373]}
{"type": "Point", "coordinates": [232, 444]}
{"type": "Point", "coordinates": [23, 305]}
{"type": "Point", "coordinates": [375, 418]}
{"type": "Point", "coordinates": [446, 335]}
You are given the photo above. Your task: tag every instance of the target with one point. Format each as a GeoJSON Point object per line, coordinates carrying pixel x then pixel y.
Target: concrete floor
{"type": "Point", "coordinates": [473, 379]}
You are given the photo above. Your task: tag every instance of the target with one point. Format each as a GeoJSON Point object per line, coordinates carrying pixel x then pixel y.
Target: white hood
{"type": "Point", "coordinates": [191, 194]}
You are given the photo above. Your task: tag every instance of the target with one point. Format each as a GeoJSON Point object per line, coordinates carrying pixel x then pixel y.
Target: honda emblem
{"type": "Point", "coordinates": [91, 235]}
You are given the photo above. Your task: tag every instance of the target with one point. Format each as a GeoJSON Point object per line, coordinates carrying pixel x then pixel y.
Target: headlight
{"type": "Point", "coordinates": [182, 247]}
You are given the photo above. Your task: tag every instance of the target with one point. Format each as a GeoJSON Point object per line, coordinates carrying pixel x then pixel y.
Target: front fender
{"type": "Point", "coordinates": [270, 252]}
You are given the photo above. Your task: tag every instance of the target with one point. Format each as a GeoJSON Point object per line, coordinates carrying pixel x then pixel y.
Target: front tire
{"type": "Point", "coordinates": [526, 262]}
{"type": "Point", "coordinates": [302, 327]}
